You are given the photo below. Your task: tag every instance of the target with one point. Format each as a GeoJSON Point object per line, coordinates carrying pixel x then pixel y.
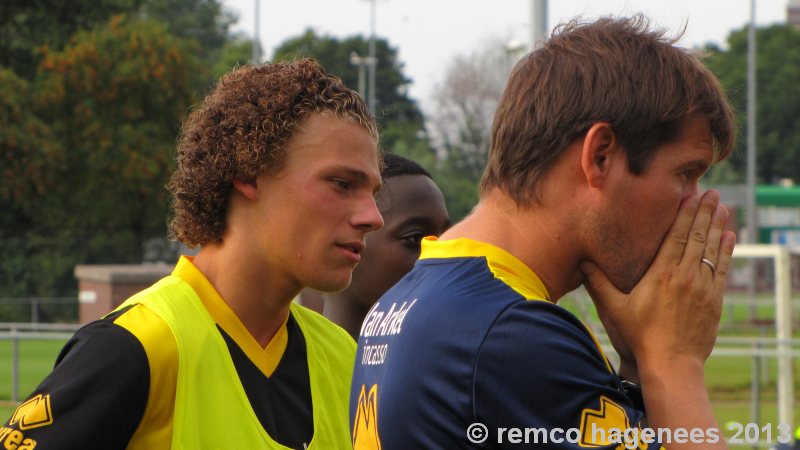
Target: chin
{"type": "Point", "coordinates": [626, 288]}
{"type": "Point", "coordinates": [628, 282]}
{"type": "Point", "coordinates": [331, 285]}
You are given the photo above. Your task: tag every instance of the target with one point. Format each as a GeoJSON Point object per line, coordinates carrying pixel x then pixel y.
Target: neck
{"type": "Point", "coordinates": [259, 296]}
{"type": "Point", "coordinates": [537, 235]}
{"type": "Point", "coordinates": [345, 311]}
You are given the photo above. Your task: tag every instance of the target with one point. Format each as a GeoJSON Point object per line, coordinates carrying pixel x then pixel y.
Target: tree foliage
{"type": "Point", "coordinates": [777, 99]}
{"type": "Point", "coordinates": [29, 26]}
{"type": "Point", "coordinates": [90, 139]}
{"type": "Point", "coordinates": [204, 23]}
{"type": "Point", "coordinates": [399, 117]}
{"type": "Point", "coordinates": [115, 97]}
{"type": "Point", "coordinates": [91, 96]}
{"type": "Point", "coordinates": [236, 52]}
{"type": "Point", "coordinates": [25, 144]}
{"type": "Point", "coordinates": [461, 121]}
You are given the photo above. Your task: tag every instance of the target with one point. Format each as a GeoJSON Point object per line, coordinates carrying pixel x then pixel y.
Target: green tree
{"type": "Point", "coordinates": [25, 144]}
{"type": "Point", "coordinates": [461, 121]}
{"type": "Point", "coordinates": [778, 99]}
{"type": "Point", "coordinates": [236, 52]}
{"type": "Point", "coordinates": [29, 26]}
{"type": "Point", "coordinates": [90, 104]}
{"type": "Point", "coordinates": [113, 99]}
{"type": "Point", "coordinates": [205, 23]}
{"type": "Point", "coordinates": [399, 117]}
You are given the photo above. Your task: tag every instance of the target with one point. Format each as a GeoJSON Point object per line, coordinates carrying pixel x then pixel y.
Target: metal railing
{"type": "Point", "coordinates": [39, 309]}
{"type": "Point", "coordinates": [16, 332]}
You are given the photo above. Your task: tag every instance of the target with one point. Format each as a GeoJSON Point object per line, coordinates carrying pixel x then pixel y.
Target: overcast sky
{"type": "Point", "coordinates": [428, 33]}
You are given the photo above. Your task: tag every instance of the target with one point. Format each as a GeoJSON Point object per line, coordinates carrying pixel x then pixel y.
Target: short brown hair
{"type": "Point", "coordinates": [240, 131]}
{"type": "Point", "coordinates": [611, 70]}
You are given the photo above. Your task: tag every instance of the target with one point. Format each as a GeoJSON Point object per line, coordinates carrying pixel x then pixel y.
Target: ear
{"type": "Point", "coordinates": [600, 148]}
{"type": "Point", "coordinates": [247, 187]}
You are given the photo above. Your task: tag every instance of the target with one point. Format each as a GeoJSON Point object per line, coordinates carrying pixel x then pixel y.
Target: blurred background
{"type": "Point", "coordinates": [92, 93]}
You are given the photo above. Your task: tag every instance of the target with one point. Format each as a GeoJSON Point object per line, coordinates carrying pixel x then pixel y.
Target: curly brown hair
{"type": "Point", "coordinates": [240, 131]}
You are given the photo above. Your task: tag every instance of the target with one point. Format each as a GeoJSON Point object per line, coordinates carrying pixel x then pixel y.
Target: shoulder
{"type": "Point", "coordinates": [108, 338]}
{"type": "Point", "coordinates": [540, 366]}
{"type": "Point", "coordinates": [159, 344]}
{"type": "Point", "coordinates": [156, 341]}
{"type": "Point", "coordinates": [97, 393]}
{"type": "Point", "coordinates": [152, 332]}
{"type": "Point", "coordinates": [540, 330]}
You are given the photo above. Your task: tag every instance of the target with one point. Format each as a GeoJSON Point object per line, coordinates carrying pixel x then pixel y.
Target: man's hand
{"type": "Point", "coordinates": [666, 327]}
{"type": "Point", "coordinates": [674, 311]}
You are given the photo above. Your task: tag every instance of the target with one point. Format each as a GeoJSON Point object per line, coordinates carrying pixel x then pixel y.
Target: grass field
{"type": "Point", "coordinates": [36, 361]}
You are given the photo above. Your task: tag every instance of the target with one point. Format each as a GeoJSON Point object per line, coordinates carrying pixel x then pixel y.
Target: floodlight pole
{"type": "Point", "coordinates": [361, 62]}
{"type": "Point", "coordinates": [256, 57]}
{"type": "Point", "coordinates": [752, 222]}
{"type": "Point", "coordinates": [752, 211]}
{"type": "Point", "coordinates": [538, 23]}
{"type": "Point", "coordinates": [372, 59]}
{"type": "Point", "coordinates": [752, 207]}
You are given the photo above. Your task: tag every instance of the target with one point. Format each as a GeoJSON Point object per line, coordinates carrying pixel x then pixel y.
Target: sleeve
{"type": "Point", "coordinates": [539, 371]}
{"type": "Point", "coordinates": [93, 399]}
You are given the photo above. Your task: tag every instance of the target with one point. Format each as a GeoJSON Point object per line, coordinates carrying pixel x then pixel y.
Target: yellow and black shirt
{"type": "Point", "coordinates": [114, 383]}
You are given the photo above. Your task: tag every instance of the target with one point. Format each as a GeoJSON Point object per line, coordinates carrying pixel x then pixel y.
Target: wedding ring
{"type": "Point", "coordinates": [710, 265]}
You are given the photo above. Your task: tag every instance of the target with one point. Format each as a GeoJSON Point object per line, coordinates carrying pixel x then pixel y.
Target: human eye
{"type": "Point", "coordinates": [341, 183]}
{"type": "Point", "coordinates": [692, 174]}
{"type": "Point", "coordinates": [695, 171]}
{"type": "Point", "coordinates": [412, 238]}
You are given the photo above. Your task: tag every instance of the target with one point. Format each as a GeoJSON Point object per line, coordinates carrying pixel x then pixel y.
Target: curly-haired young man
{"type": "Point", "coordinates": [276, 175]}
{"type": "Point", "coordinates": [592, 177]}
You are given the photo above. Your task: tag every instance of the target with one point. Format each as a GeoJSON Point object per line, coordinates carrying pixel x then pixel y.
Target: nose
{"type": "Point", "coordinates": [367, 216]}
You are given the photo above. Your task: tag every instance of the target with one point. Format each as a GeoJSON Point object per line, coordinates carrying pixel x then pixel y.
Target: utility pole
{"type": "Point", "coordinates": [373, 60]}
{"type": "Point", "coordinates": [752, 222]}
{"type": "Point", "coordinates": [538, 23]}
{"type": "Point", "coordinates": [752, 208]}
{"type": "Point", "coordinates": [362, 62]}
{"type": "Point", "coordinates": [256, 57]}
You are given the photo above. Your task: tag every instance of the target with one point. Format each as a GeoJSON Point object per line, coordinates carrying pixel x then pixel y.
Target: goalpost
{"type": "Point", "coordinates": [783, 320]}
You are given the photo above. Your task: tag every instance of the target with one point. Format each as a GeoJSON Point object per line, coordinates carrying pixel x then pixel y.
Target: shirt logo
{"type": "Point", "coordinates": [365, 426]}
{"type": "Point", "coordinates": [34, 413]}
{"type": "Point", "coordinates": [610, 415]}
